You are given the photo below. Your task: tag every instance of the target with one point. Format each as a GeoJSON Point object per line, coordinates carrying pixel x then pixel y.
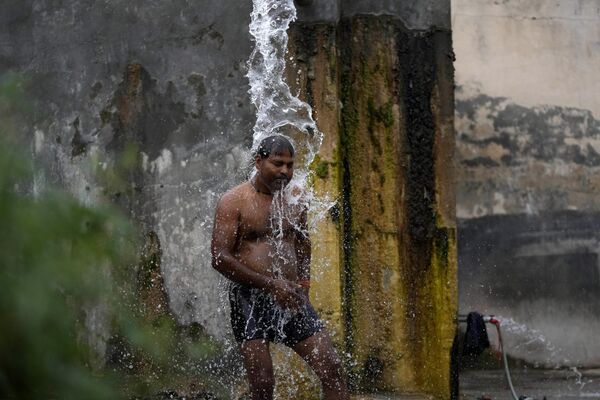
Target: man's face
{"type": "Point", "coordinates": [277, 170]}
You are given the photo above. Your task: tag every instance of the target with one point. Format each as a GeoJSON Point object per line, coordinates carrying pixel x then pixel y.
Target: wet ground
{"type": "Point", "coordinates": [389, 397]}
{"type": "Point", "coordinates": [552, 384]}
{"type": "Point", "coordinates": [564, 384]}
{"type": "Point", "coordinates": [487, 384]}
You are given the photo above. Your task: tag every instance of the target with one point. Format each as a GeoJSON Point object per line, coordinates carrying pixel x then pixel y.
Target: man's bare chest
{"type": "Point", "coordinates": [265, 222]}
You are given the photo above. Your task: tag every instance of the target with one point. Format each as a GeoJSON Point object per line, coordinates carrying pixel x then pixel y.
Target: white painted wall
{"type": "Point", "coordinates": [534, 52]}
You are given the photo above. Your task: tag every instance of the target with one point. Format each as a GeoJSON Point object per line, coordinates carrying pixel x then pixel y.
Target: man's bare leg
{"type": "Point", "coordinates": [319, 353]}
{"type": "Point", "coordinates": [259, 368]}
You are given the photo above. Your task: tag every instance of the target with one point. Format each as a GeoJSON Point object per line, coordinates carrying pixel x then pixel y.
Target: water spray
{"type": "Point", "coordinates": [277, 110]}
{"type": "Point", "coordinates": [491, 319]}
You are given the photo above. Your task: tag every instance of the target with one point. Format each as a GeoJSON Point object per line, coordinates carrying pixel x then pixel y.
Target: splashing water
{"type": "Point", "coordinates": [277, 110]}
{"type": "Point", "coordinates": [528, 339]}
{"type": "Point", "coordinates": [282, 214]}
{"type": "Point", "coordinates": [562, 381]}
{"type": "Point", "coordinates": [280, 112]}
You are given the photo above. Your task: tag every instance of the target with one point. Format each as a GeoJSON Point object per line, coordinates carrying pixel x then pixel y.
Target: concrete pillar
{"type": "Point", "coordinates": [379, 76]}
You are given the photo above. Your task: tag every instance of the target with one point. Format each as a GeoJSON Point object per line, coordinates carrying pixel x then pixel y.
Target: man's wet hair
{"type": "Point", "coordinates": [275, 144]}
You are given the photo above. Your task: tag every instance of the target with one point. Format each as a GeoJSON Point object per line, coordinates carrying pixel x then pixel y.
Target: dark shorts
{"type": "Point", "coordinates": [255, 315]}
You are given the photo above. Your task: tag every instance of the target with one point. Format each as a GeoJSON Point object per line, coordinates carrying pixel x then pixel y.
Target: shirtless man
{"type": "Point", "coordinates": [263, 249]}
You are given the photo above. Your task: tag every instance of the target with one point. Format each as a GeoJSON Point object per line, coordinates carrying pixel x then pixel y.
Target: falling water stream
{"type": "Point", "coordinates": [278, 112]}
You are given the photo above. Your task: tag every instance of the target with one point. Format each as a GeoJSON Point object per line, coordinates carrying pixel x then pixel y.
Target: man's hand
{"type": "Point", "coordinates": [288, 295]}
{"type": "Point", "coordinates": [305, 284]}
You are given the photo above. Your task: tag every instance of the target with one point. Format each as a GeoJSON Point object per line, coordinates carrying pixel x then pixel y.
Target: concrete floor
{"type": "Point", "coordinates": [561, 384]}
{"type": "Point", "coordinates": [564, 384]}
{"type": "Point", "coordinates": [391, 397]}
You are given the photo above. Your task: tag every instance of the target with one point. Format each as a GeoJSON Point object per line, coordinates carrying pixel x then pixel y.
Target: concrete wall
{"type": "Point", "coordinates": [550, 45]}
{"type": "Point", "coordinates": [528, 158]}
{"type": "Point", "coordinates": [389, 160]}
{"type": "Point", "coordinates": [167, 77]}
{"type": "Point", "coordinates": [421, 15]}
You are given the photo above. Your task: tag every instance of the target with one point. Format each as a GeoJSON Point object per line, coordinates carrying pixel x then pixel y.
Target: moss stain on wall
{"type": "Point", "coordinates": [384, 261]}
{"type": "Point", "coordinates": [400, 277]}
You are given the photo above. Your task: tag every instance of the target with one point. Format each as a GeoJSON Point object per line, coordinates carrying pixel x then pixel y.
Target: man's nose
{"type": "Point", "coordinates": [286, 170]}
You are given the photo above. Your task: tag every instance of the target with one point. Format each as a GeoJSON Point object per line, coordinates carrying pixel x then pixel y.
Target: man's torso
{"type": "Point", "coordinates": [265, 240]}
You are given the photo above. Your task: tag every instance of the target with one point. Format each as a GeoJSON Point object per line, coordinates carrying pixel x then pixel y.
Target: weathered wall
{"type": "Point", "coordinates": [528, 157]}
{"type": "Point", "coordinates": [528, 100]}
{"type": "Point", "coordinates": [390, 160]}
{"type": "Point", "coordinates": [167, 77]}
{"type": "Point", "coordinates": [421, 15]}
{"type": "Point", "coordinates": [158, 91]}
{"type": "Point", "coordinates": [516, 159]}
{"type": "Point", "coordinates": [396, 233]}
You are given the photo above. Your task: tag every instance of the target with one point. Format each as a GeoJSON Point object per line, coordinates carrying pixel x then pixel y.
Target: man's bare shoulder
{"type": "Point", "coordinates": [235, 197]}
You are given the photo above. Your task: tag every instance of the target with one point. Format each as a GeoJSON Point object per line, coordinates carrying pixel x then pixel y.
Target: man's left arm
{"type": "Point", "coordinates": [303, 252]}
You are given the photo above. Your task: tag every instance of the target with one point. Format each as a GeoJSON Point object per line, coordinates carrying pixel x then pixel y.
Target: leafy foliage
{"type": "Point", "coordinates": [68, 288]}
{"type": "Point", "coordinates": [56, 265]}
